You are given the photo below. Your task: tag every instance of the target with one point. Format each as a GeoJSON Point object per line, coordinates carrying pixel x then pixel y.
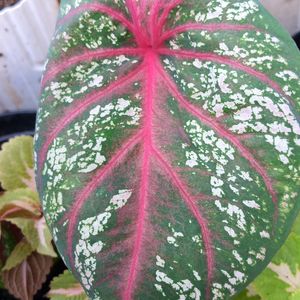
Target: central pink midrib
{"type": "Point", "coordinates": [143, 193]}
{"type": "Point", "coordinates": [148, 151]}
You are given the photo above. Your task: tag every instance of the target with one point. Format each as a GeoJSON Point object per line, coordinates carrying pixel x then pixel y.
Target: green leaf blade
{"type": "Point", "coordinates": [66, 287]}
{"type": "Point", "coordinates": [168, 150]}
{"type": "Point", "coordinates": [16, 161]}
{"type": "Point", "coordinates": [18, 255]}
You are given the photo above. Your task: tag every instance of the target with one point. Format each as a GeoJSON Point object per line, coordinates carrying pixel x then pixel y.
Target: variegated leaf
{"type": "Point", "coordinates": [66, 287]}
{"type": "Point", "coordinates": [22, 250]}
{"type": "Point", "coordinates": [16, 164]}
{"type": "Point", "coordinates": [167, 145]}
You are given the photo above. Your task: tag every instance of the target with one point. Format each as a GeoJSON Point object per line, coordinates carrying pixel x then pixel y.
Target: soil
{"type": "Point", "coordinates": [5, 3]}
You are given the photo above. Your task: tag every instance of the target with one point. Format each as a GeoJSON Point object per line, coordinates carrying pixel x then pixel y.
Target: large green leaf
{"type": "Point", "coordinates": [167, 145]}
{"type": "Point", "coordinates": [16, 164]}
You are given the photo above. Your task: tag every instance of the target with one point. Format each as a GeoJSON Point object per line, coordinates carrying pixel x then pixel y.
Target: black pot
{"type": "Point", "coordinates": [297, 39]}
{"type": "Point", "coordinates": [16, 123]}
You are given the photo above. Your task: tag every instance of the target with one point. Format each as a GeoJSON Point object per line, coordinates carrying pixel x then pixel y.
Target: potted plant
{"type": "Point", "coordinates": [195, 208]}
{"type": "Point", "coordinates": [167, 145]}
{"type": "Point", "coordinates": [16, 123]}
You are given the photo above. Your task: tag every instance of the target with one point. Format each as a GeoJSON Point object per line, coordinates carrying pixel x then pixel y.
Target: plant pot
{"type": "Point", "coordinates": [13, 124]}
{"type": "Point", "coordinates": [26, 29]}
{"type": "Point", "coordinates": [297, 39]}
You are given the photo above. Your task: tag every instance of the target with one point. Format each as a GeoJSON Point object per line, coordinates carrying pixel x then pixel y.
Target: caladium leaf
{"type": "Point", "coordinates": [16, 164]}
{"type": "Point", "coordinates": [167, 145]}
{"type": "Point", "coordinates": [66, 287]}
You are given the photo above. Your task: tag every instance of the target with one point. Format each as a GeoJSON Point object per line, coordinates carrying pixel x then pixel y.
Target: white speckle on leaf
{"type": "Point", "coordinates": [86, 250]}
{"type": "Point", "coordinates": [264, 234]}
{"type": "Point", "coordinates": [160, 262]}
{"type": "Point", "coordinates": [120, 199]}
{"type": "Point", "coordinates": [230, 231]}
{"type": "Point", "coordinates": [192, 159]}
{"type": "Point", "coordinates": [96, 81]}
{"type": "Point", "coordinates": [251, 204]}
{"type": "Point", "coordinates": [281, 144]}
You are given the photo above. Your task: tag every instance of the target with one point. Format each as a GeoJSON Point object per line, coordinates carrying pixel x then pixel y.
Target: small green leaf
{"type": "Point", "coordinates": [10, 237]}
{"type": "Point", "coordinates": [295, 296]}
{"type": "Point", "coordinates": [290, 253]}
{"type": "Point", "coordinates": [245, 295]}
{"type": "Point", "coordinates": [281, 280]}
{"type": "Point", "coordinates": [19, 254]}
{"type": "Point", "coordinates": [22, 203]}
{"type": "Point", "coordinates": [66, 286]}
{"type": "Point", "coordinates": [270, 287]}
{"type": "Point", "coordinates": [37, 234]}
{"type": "Point", "coordinates": [16, 164]}
{"type": "Point", "coordinates": [44, 238]}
